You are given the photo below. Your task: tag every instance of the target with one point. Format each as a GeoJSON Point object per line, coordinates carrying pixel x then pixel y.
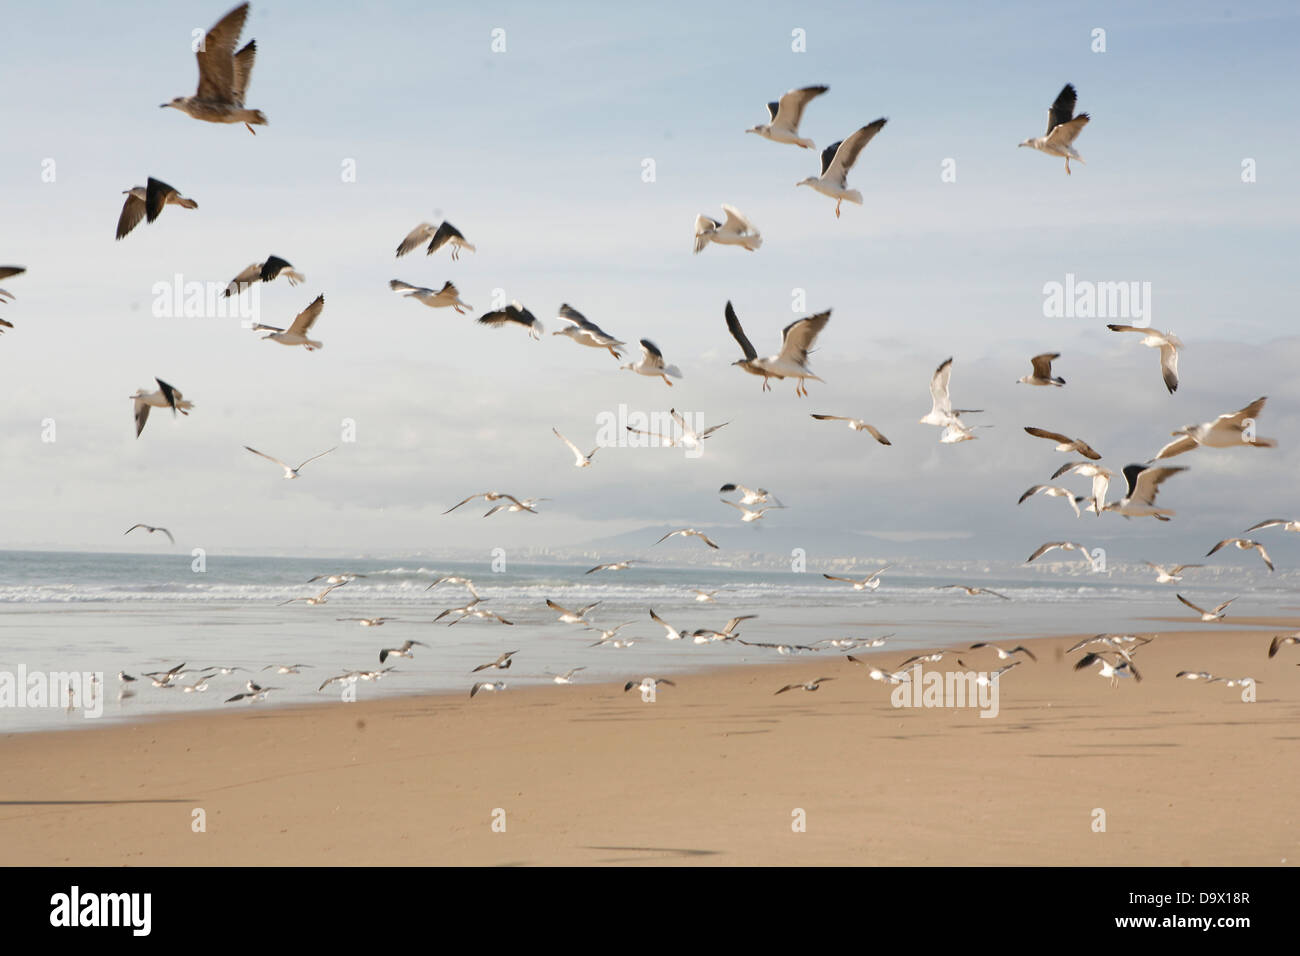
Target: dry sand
{"type": "Point", "coordinates": [710, 773]}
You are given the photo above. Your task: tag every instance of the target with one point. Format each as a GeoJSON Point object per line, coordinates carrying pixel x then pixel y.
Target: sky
{"type": "Point", "coordinates": [538, 153]}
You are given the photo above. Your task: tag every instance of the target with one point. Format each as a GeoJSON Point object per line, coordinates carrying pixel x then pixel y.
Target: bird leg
{"type": "Point", "coordinates": [1067, 165]}
{"type": "Point", "coordinates": [767, 386]}
{"type": "Point", "coordinates": [838, 201]}
{"type": "Point", "coordinates": [666, 382]}
{"type": "Point", "coordinates": [250, 129]}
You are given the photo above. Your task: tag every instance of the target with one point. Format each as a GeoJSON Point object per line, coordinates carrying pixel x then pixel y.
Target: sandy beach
{"type": "Point", "coordinates": [714, 771]}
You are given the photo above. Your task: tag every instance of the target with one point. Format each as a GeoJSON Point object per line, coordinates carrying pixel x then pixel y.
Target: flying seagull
{"type": "Point", "coordinates": [673, 634]}
{"type": "Point", "coordinates": [1207, 617]}
{"type": "Point", "coordinates": [797, 339]}
{"type": "Point", "coordinates": [811, 685]}
{"type": "Point", "coordinates": [857, 425]}
{"type": "Point", "coordinates": [150, 529]}
{"type": "Point", "coordinates": [165, 397]}
{"type": "Point", "coordinates": [489, 496]}
{"type": "Point", "coordinates": [1166, 575]}
{"type": "Point", "coordinates": [1229, 430]}
{"type": "Point", "coordinates": [567, 676]}
{"type": "Point", "coordinates": [1003, 653]}
{"type": "Point", "coordinates": [288, 471]}
{"type": "Point", "coordinates": [1063, 443]}
{"type": "Point", "coordinates": [705, 636]}
{"type": "Point", "coordinates": [784, 115]}
{"type": "Point", "coordinates": [587, 333]}
{"type": "Point", "coordinates": [1064, 546]}
{"type": "Point", "coordinates": [1052, 491]}
{"type": "Point", "coordinates": [612, 566]}
{"type": "Point", "coordinates": [652, 363]}
{"type": "Point", "coordinates": [501, 663]}
{"type": "Point", "coordinates": [447, 234]}
{"type": "Point", "coordinates": [147, 202]}
{"type": "Point", "coordinates": [267, 271]}
{"type": "Point", "coordinates": [647, 684]}
{"type": "Point", "coordinates": [1287, 524]}
{"type": "Point", "coordinates": [1042, 374]}
{"type": "Point", "coordinates": [370, 621]}
{"type": "Point", "coordinates": [749, 514]}
{"type": "Point", "coordinates": [513, 314]}
{"type": "Point", "coordinates": [1100, 480]}
{"type": "Point", "coordinates": [1277, 643]}
{"type": "Point", "coordinates": [751, 496]}
{"type": "Point", "coordinates": [972, 592]}
{"type": "Point", "coordinates": [1243, 544]}
{"type": "Point", "coordinates": [486, 685]}
{"type": "Point", "coordinates": [223, 76]}
{"type": "Point", "coordinates": [579, 459]}
{"type": "Point", "coordinates": [403, 651]}
{"type": "Point", "coordinates": [1167, 343]}
{"type": "Point", "coordinates": [1111, 669]}
{"type": "Point", "coordinates": [736, 231]}
{"type": "Point", "coordinates": [941, 411]}
{"type": "Point", "coordinates": [869, 583]}
{"type": "Point", "coordinates": [690, 533]}
{"type": "Point", "coordinates": [1062, 128]}
{"type": "Point", "coordinates": [571, 617]}
{"type": "Point", "coordinates": [1143, 485]}
{"type": "Point", "coordinates": [837, 160]}
{"type": "Point", "coordinates": [690, 438]}
{"type": "Point", "coordinates": [316, 601]}
{"type": "Point", "coordinates": [448, 295]}
{"type": "Point", "coordinates": [7, 272]}
{"type": "Point", "coordinates": [454, 579]}
{"type": "Point", "coordinates": [296, 334]}
{"type": "Point", "coordinates": [515, 507]}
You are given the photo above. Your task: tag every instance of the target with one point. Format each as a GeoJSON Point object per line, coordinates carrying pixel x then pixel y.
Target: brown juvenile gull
{"type": "Point", "coordinates": [223, 75]}
{"type": "Point", "coordinates": [1062, 128]}
{"type": "Point", "coordinates": [1042, 374]}
{"type": "Point", "coordinates": [148, 201]}
{"type": "Point", "coordinates": [1064, 443]}
{"type": "Point", "coordinates": [438, 237]}
{"type": "Point", "coordinates": [857, 425]}
{"type": "Point", "coordinates": [267, 271]}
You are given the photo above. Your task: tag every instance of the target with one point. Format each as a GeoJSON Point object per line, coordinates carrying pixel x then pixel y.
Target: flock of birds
{"type": "Point", "coordinates": [224, 74]}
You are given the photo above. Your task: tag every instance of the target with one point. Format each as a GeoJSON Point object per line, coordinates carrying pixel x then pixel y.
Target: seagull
{"type": "Point", "coordinates": [525, 505]}
{"type": "Point", "coordinates": [614, 566]}
{"type": "Point", "coordinates": [501, 663]}
{"type": "Point", "coordinates": [165, 397]}
{"type": "Point", "coordinates": [579, 459]}
{"type": "Point", "coordinates": [437, 237]}
{"type": "Point", "coordinates": [461, 611]}
{"type": "Point", "coordinates": [1100, 480]}
{"type": "Point", "coordinates": [704, 635]}
{"type": "Point", "coordinates": [487, 495]}
{"type": "Point", "coordinates": [1062, 128]}
{"type": "Point", "coordinates": [1165, 575]}
{"type": "Point", "coordinates": [281, 669]}
{"type": "Point", "coordinates": [779, 648]}
{"type": "Point", "coordinates": [1198, 675]}
{"type": "Point", "coordinates": [984, 680]}
{"type": "Point", "coordinates": [837, 160]}
{"type": "Point", "coordinates": [452, 579]}
{"type": "Point", "coordinates": [1064, 546]}
{"type": "Point", "coordinates": [571, 617]}
{"type": "Point", "coordinates": [164, 678]}
{"type": "Point", "coordinates": [344, 578]}
{"type": "Point", "coordinates": [647, 684]}
{"type": "Point", "coordinates": [857, 425]}
{"type": "Point", "coordinates": [879, 673]}
{"type": "Point", "coordinates": [1167, 343]}
{"type": "Point", "coordinates": [1244, 544]}
{"type": "Point", "coordinates": [448, 295]}
{"type": "Point", "coordinates": [1274, 646]}
{"type": "Point", "coordinates": [513, 314]}
{"type": "Point", "coordinates": [702, 597]}
{"type": "Point", "coordinates": [784, 115]}
{"type": "Point", "coordinates": [736, 231]}
{"type": "Point", "coordinates": [811, 685]}
{"type": "Point", "coordinates": [751, 496]}
{"type": "Point", "coordinates": [1042, 374]}
{"type": "Point", "coordinates": [972, 592]}
{"type": "Point", "coordinates": [690, 438]}
{"type": "Point", "coordinates": [482, 614]}
{"type": "Point", "coordinates": [290, 473]}
{"type": "Point", "coordinates": [652, 363]}
{"type": "Point", "coordinates": [750, 514]}
{"type": "Point", "coordinates": [370, 621]}
{"type": "Point", "coordinates": [1227, 431]}
{"type": "Point", "coordinates": [223, 76]}
{"type": "Point", "coordinates": [587, 333]}
{"type": "Point", "coordinates": [267, 271]}
{"type": "Point", "coordinates": [930, 657]}
{"type": "Point", "coordinates": [199, 686]}
{"type": "Point", "coordinates": [1052, 491]}
{"type": "Point", "coordinates": [941, 411]}
{"type": "Point", "coordinates": [1207, 617]}
{"type": "Point", "coordinates": [126, 678]}
{"type": "Point", "coordinates": [1111, 669]}
{"type": "Point", "coordinates": [608, 635]}
{"type": "Point", "coordinates": [854, 643]}
{"type": "Point", "coordinates": [148, 201]}
{"type": "Point", "coordinates": [1063, 443]}
{"type": "Point", "coordinates": [1004, 654]}
{"type": "Point", "coordinates": [870, 582]}
{"type": "Point", "coordinates": [7, 272]}
{"type": "Point", "coordinates": [1143, 485]}
{"type": "Point", "coordinates": [673, 634]}
{"type": "Point", "coordinates": [1116, 642]}
{"type": "Point", "coordinates": [297, 332]}
{"type": "Point", "coordinates": [567, 676]}
{"type": "Point", "coordinates": [403, 651]}
{"type": "Point", "coordinates": [1287, 524]}
{"type": "Point", "coordinates": [253, 695]}
{"type": "Point", "coordinates": [956, 431]}
{"type": "Point", "coordinates": [688, 533]}
{"type": "Point", "coordinates": [486, 685]}
{"type": "Point", "coordinates": [792, 361]}
{"type": "Point", "coordinates": [151, 530]}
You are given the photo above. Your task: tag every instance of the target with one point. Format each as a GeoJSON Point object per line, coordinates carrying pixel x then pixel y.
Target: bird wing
{"type": "Point", "coordinates": [172, 395]}
{"type": "Point", "coordinates": [736, 221]}
{"type": "Point", "coordinates": [132, 212]}
{"type": "Point", "coordinates": [1250, 411]}
{"type": "Point", "coordinates": [1065, 134]}
{"type": "Point", "coordinates": [155, 197]}
{"type": "Point", "coordinates": [572, 447]}
{"type": "Point", "coordinates": [570, 314]}
{"type": "Point", "coordinates": [939, 387]}
{"type": "Point", "coordinates": [243, 70]}
{"type": "Point", "coordinates": [313, 458]}
{"type": "Point", "coordinates": [1043, 364]}
{"type": "Point", "coordinates": [1146, 483]}
{"type": "Point", "coordinates": [738, 333]}
{"type": "Point", "coordinates": [1270, 523]}
{"type": "Point", "coordinates": [704, 226]}
{"type": "Point", "coordinates": [1190, 604]}
{"type": "Point", "coordinates": [1223, 605]}
{"type": "Point", "coordinates": [651, 354]}
{"type": "Point", "coordinates": [1221, 544]}
{"type": "Point", "coordinates": [1043, 549]}
{"type": "Point", "coordinates": [1044, 433]}
{"type": "Point", "coordinates": [397, 285]}
{"type": "Point", "coordinates": [216, 56]}
{"type": "Point", "coordinates": [268, 457]}
{"type": "Point", "coordinates": [445, 233]}
{"type": "Point", "coordinates": [1177, 447]}
{"type": "Point", "coordinates": [141, 416]}
{"type": "Point", "coordinates": [272, 267]}
{"type": "Point", "coordinates": [1062, 110]}
{"type": "Point", "coordinates": [1169, 366]}
{"type": "Point", "coordinates": [846, 152]}
{"type": "Point", "coordinates": [789, 110]}
{"type": "Point", "coordinates": [304, 320]}
{"type": "Point", "coordinates": [415, 237]}
{"type": "Point", "coordinates": [245, 278]}
{"type": "Point", "coordinates": [800, 334]}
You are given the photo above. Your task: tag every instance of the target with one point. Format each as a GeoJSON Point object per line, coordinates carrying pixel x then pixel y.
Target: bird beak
{"type": "Point", "coordinates": [164, 106]}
